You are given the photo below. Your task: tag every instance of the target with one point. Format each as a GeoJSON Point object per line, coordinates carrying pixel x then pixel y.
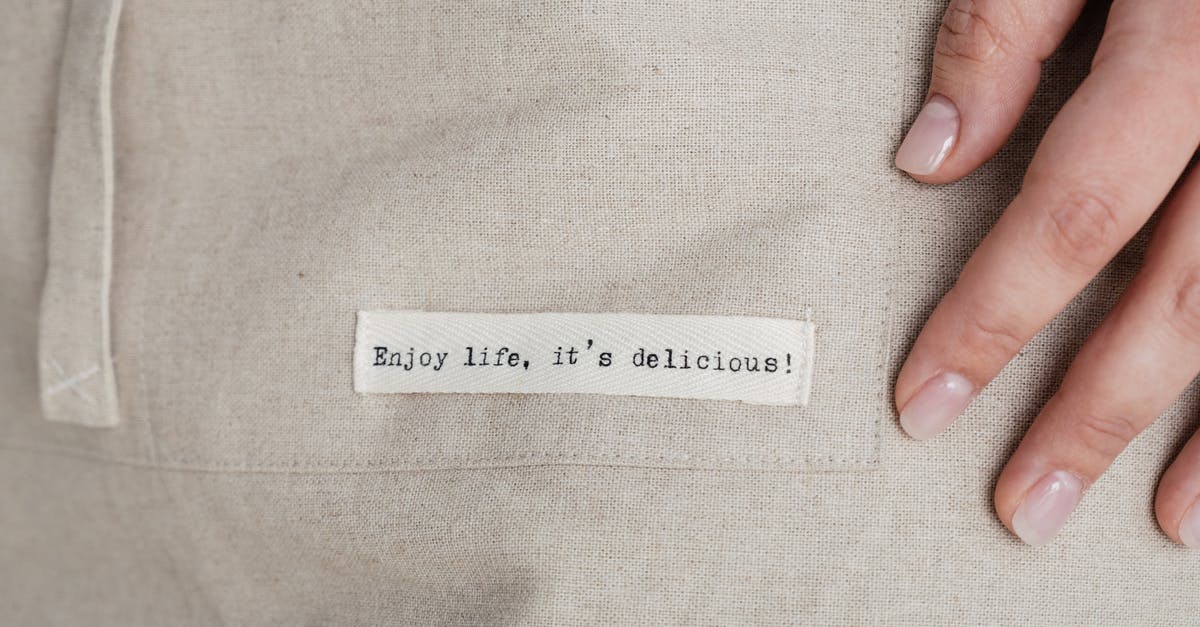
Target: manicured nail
{"type": "Point", "coordinates": [930, 139]}
{"type": "Point", "coordinates": [936, 405]}
{"type": "Point", "coordinates": [1046, 507]}
{"type": "Point", "coordinates": [1189, 527]}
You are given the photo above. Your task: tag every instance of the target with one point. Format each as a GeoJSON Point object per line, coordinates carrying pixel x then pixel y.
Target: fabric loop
{"type": "Point", "coordinates": [78, 383]}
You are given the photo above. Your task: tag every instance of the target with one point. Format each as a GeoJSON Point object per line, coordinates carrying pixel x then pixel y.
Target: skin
{"type": "Point", "coordinates": [1109, 160]}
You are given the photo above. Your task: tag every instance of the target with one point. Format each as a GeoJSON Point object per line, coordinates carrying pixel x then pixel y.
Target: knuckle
{"type": "Point", "coordinates": [997, 340]}
{"type": "Point", "coordinates": [1083, 231]}
{"type": "Point", "coordinates": [969, 31]}
{"type": "Point", "coordinates": [1184, 308]}
{"type": "Point", "coordinates": [1105, 435]}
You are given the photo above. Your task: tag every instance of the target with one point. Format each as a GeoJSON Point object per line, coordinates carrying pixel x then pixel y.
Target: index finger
{"type": "Point", "coordinates": [1107, 161]}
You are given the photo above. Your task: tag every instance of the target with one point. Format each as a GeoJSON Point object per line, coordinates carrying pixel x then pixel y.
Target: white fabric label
{"type": "Point", "coordinates": [755, 360]}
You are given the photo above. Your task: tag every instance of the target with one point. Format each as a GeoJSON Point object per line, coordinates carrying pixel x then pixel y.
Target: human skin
{"type": "Point", "coordinates": [1108, 161]}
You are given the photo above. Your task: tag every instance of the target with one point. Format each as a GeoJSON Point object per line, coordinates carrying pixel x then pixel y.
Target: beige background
{"type": "Point", "coordinates": [280, 166]}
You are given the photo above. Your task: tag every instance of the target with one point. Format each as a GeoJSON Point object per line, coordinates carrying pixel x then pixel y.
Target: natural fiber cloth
{"type": "Point", "coordinates": [279, 166]}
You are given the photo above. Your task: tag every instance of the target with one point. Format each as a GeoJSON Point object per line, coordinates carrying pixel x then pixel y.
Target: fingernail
{"type": "Point", "coordinates": [1189, 527]}
{"type": "Point", "coordinates": [1046, 507]}
{"type": "Point", "coordinates": [936, 405]}
{"type": "Point", "coordinates": [930, 139]}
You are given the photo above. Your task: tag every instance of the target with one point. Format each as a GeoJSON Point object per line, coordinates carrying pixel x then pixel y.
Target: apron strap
{"type": "Point", "coordinates": [78, 383]}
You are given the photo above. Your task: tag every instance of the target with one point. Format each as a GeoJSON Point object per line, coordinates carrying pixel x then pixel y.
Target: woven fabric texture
{"type": "Point", "coordinates": [280, 166]}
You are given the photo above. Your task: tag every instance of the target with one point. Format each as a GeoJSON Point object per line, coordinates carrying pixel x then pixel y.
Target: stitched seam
{"type": "Point", "coordinates": [505, 461]}
{"type": "Point", "coordinates": [901, 84]}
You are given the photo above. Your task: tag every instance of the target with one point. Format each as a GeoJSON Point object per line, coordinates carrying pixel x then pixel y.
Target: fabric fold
{"type": "Point", "coordinates": [76, 362]}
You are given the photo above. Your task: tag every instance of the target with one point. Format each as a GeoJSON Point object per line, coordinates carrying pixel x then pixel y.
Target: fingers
{"type": "Point", "coordinates": [1106, 162]}
{"type": "Point", "coordinates": [986, 66]}
{"type": "Point", "coordinates": [1178, 503]}
{"type": "Point", "coordinates": [1138, 361]}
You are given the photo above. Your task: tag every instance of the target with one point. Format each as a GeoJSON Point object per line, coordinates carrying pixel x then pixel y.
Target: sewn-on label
{"type": "Point", "coordinates": [763, 361]}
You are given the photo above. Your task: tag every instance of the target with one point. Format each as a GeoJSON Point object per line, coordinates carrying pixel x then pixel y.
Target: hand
{"type": "Point", "coordinates": [1109, 159]}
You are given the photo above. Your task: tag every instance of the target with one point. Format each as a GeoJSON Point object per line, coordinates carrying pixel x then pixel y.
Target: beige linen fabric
{"type": "Point", "coordinates": [280, 166]}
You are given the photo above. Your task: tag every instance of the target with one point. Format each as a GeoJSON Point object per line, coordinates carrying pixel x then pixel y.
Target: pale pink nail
{"type": "Point", "coordinates": [1046, 507]}
{"type": "Point", "coordinates": [936, 405]}
{"type": "Point", "coordinates": [930, 139]}
{"type": "Point", "coordinates": [1189, 527]}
